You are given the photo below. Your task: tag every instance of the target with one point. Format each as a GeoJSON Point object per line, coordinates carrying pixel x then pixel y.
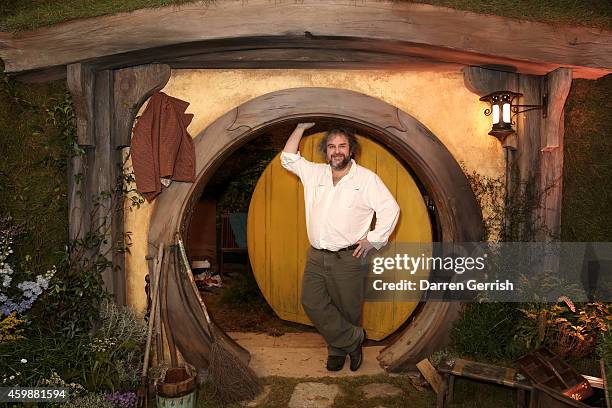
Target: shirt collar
{"type": "Point", "coordinates": [353, 169]}
{"type": "Point", "coordinates": [349, 175]}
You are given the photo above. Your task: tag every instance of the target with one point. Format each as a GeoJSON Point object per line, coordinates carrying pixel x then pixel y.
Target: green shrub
{"type": "Point", "coordinates": [486, 331]}
{"type": "Point", "coordinates": [114, 352]}
{"type": "Point", "coordinates": [109, 358]}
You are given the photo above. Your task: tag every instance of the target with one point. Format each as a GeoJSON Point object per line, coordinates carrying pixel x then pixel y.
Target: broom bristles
{"type": "Point", "coordinates": [230, 378]}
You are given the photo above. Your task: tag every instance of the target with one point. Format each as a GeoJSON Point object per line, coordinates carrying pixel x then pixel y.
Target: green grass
{"type": "Point", "coordinates": [18, 15]}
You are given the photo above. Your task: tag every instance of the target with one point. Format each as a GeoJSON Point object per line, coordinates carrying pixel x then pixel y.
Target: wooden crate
{"type": "Point", "coordinates": [545, 368]}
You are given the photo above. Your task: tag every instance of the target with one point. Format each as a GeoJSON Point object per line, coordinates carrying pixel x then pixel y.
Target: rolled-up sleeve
{"type": "Point", "coordinates": [387, 211]}
{"type": "Point", "coordinates": [296, 164]}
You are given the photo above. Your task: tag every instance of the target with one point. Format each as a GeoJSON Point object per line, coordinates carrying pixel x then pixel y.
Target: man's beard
{"type": "Point", "coordinates": [339, 165]}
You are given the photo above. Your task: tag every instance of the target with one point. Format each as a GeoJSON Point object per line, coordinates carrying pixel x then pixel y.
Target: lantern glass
{"type": "Point", "coordinates": [506, 112]}
{"type": "Point", "coordinates": [495, 114]}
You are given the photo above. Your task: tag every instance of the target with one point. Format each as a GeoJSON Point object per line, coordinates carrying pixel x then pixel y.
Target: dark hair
{"type": "Point", "coordinates": [354, 146]}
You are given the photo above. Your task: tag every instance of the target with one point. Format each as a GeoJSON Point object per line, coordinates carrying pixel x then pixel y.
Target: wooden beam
{"type": "Point", "coordinates": [461, 34]}
{"type": "Point", "coordinates": [132, 87]}
{"type": "Point", "coordinates": [430, 374]}
{"type": "Point", "coordinates": [558, 84]}
{"type": "Point", "coordinates": [308, 58]}
{"type": "Point", "coordinates": [101, 180]}
{"type": "Point", "coordinates": [81, 81]}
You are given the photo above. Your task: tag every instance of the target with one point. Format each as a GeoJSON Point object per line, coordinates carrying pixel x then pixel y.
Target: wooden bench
{"type": "Point", "coordinates": [472, 370]}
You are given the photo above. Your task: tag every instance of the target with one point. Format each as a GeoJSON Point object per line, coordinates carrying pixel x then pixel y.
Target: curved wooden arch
{"type": "Point", "coordinates": [460, 218]}
{"type": "Point", "coordinates": [308, 33]}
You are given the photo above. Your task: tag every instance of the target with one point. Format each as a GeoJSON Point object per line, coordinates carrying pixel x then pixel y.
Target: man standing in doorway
{"type": "Point", "coordinates": [341, 198]}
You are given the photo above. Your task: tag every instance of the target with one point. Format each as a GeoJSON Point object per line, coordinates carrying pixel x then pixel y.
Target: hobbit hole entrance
{"type": "Point", "coordinates": [457, 214]}
{"type": "Point", "coordinates": [249, 225]}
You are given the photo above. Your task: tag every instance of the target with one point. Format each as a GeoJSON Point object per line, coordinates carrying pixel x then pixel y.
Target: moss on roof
{"type": "Point", "coordinates": [19, 15]}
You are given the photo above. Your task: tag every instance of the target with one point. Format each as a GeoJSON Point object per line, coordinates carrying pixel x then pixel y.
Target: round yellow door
{"type": "Point", "coordinates": [277, 240]}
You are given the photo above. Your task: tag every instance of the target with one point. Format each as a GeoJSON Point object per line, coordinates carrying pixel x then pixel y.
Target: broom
{"type": "Point", "coordinates": [230, 379]}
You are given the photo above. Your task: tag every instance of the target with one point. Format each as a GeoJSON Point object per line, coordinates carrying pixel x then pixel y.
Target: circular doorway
{"type": "Point", "coordinates": [458, 213]}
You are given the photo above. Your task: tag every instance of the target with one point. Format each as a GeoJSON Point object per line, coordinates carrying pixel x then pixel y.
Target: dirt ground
{"type": "Point", "coordinates": [239, 306]}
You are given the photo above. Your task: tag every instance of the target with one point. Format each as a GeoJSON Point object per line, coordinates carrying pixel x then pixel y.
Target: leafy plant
{"type": "Point", "coordinates": [115, 350]}
{"type": "Point", "coordinates": [500, 330]}
{"type": "Point", "coordinates": [569, 330]}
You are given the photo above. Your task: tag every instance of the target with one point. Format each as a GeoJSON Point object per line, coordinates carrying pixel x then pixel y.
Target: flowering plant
{"type": "Point", "coordinates": [122, 399]}
{"type": "Point", "coordinates": [29, 290]}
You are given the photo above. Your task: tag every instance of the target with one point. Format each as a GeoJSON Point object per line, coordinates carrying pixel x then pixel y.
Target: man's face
{"type": "Point", "coordinates": [338, 151]}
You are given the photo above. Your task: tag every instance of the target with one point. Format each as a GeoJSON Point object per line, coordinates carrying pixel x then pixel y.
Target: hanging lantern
{"type": "Point", "coordinates": [501, 112]}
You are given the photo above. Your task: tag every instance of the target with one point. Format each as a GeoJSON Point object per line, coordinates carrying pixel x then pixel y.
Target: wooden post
{"type": "Point", "coordinates": [557, 85]}
{"type": "Point", "coordinates": [106, 103]}
{"type": "Point", "coordinates": [80, 81]}
{"type": "Point", "coordinates": [538, 158]}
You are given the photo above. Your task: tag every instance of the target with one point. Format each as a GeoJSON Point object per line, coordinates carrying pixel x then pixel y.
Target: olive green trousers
{"type": "Point", "coordinates": [332, 295]}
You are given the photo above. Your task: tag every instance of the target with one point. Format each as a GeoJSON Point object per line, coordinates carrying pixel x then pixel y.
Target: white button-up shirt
{"type": "Point", "coordinates": [339, 216]}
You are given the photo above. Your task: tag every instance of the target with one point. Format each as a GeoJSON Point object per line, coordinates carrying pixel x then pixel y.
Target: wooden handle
{"type": "Point", "coordinates": [188, 269]}
{"type": "Point", "coordinates": [157, 271]}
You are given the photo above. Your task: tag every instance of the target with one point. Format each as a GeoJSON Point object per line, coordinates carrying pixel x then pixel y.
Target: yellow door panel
{"type": "Point", "coordinates": [277, 240]}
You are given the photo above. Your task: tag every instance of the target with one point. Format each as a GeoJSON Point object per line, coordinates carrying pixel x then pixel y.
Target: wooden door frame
{"type": "Point", "coordinates": [459, 214]}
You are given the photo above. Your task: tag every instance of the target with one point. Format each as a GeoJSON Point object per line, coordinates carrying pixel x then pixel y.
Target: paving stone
{"type": "Point", "coordinates": [314, 395]}
{"type": "Point", "coordinates": [260, 399]}
{"type": "Point", "coordinates": [380, 390]}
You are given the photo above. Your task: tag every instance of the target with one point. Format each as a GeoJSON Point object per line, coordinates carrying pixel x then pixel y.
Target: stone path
{"type": "Point", "coordinates": [303, 355]}
{"type": "Point", "coordinates": [314, 395]}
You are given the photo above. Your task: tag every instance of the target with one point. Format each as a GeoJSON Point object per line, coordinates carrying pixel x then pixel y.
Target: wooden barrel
{"type": "Point", "coordinates": [178, 389]}
{"type": "Point", "coordinates": [277, 240]}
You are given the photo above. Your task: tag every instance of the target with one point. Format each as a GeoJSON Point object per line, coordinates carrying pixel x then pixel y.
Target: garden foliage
{"type": "Point", "coordinates": [57, 325]}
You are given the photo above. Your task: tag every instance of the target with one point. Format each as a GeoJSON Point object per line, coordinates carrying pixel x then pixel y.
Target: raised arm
{"type": "Point", "coordinates": [293, 143]}
{"type": "Point", "coordinates": [290, 158]}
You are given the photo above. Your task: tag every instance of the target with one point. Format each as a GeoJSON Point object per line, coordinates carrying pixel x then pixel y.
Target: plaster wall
{"type": "Point", "coordinates": [439, 100]}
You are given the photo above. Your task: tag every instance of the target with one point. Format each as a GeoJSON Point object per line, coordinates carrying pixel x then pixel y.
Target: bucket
{"type": "Point", "coordinates": [178, 389]}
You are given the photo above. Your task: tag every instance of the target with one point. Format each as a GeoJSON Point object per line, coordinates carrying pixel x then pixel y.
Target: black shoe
{"type": "Point", "coordinates": [335, 363]}
{"type": "Point", "coordinates": [357, 354]}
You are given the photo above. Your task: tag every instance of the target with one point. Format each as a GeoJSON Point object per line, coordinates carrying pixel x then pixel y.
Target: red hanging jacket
{"type": "Point", "coordinates": [161, 145]}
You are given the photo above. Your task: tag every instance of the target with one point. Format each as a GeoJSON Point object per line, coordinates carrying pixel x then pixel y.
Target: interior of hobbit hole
{"type": "Point", "coordinates": [247, 234]}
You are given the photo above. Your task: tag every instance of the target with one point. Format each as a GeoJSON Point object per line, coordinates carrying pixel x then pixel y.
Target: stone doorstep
{"type": "Point", "coordinates": [299, 355]}
{"type": "Point", "coordinates": [314, 395]}
{"type": "Point", "coordinates": [287, 340]}
{"type": "Point", "coordinates": [307, 362]}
